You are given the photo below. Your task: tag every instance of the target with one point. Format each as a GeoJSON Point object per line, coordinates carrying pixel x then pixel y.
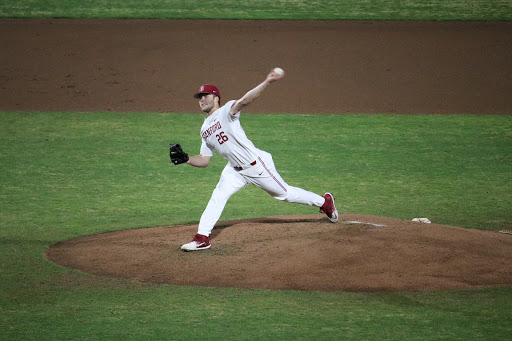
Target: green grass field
{"type": "Point", "coordinates": [64, 175]}
{"type": "Point", "coordinates": [262, 9]}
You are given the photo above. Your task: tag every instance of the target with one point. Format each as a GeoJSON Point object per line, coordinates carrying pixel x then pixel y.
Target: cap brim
{"type": "Point", "coordinates": [199, 94]}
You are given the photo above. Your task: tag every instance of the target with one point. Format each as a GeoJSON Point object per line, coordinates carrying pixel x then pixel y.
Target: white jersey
{"type": "Point", "coordinates": [222, 133]}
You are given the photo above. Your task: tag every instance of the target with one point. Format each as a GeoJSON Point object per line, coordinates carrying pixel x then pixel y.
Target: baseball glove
{"type": "Point", "coordinates": [177, 154]}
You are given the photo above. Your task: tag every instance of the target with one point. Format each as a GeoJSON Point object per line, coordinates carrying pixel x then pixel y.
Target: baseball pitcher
{"type": "Point", "coordinates": [247, 165]}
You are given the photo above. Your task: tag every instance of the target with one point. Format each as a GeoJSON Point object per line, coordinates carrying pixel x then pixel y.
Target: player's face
{"type": "Point", "coordinates": [207, 102]}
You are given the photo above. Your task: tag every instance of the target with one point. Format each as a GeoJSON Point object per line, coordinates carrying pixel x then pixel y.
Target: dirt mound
{"type": "Point", "coordinates": [360, 253]}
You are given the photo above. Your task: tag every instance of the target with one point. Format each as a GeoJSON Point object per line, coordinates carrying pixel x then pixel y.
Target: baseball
{"type": "Point", "coordinates": [279, 71]}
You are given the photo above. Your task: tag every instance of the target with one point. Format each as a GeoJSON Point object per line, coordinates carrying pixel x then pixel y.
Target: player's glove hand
{"type": "Point", "coordinates": [177, 154]}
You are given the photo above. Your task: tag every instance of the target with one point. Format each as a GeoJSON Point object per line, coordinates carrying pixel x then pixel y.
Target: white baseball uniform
{"type": "Point", "coordinates": [221, 132]}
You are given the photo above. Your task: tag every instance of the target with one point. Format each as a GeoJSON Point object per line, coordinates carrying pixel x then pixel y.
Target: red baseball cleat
{"type": "Point", "coordinates": [329, 208]}
{"type": "Point", "coordinates": [199, 242]}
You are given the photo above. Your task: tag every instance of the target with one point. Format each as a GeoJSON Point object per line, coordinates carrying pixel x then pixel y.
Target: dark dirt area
{"type": "Point", "coordinates": [332, 66]}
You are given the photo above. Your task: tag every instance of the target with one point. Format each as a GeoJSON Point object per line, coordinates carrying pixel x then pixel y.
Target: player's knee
{"type": "Point", "coordinates": [281, 196]}
{"type": "Point", "coordinates": [220, 197]}
{"type": "Point", "coordinates": [293, 194]}
{"type": "Point", "coordinates": [289, 195]}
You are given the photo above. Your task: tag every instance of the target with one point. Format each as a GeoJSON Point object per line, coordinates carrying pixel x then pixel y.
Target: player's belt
{"type": "Point", "coordinates": [238, 169]}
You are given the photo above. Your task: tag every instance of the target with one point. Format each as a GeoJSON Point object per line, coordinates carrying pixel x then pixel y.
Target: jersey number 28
{"type": "Point", "coordinates": [221, 137]}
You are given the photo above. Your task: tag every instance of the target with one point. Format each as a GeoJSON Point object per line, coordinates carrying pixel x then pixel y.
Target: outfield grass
{"type": "Point", "coordinates": [64, 175]}
{"type": "Point", "coordinates": [262, 9]}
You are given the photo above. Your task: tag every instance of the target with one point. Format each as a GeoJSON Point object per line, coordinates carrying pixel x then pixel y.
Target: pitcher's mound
{"type": "Point", "coordinates": [359, 253]}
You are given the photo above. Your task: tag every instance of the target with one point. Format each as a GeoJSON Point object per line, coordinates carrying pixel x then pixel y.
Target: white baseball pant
{"type": "Point", "coordinates": [264, 175]}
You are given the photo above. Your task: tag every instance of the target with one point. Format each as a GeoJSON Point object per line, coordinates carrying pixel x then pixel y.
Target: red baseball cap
{"type": "Point", "coordinates": [207, 89]}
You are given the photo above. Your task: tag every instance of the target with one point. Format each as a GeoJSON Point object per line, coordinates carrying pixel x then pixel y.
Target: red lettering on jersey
{"type": "Point", "coordinates": [208, 132]}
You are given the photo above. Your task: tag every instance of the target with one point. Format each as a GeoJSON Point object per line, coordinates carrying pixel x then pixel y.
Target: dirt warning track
{"type": "Point", "coordinates": [332, 66]}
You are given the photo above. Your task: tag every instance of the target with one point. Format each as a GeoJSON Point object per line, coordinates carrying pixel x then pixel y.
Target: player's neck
{"type": "Point", "coordinates": [208, 114]}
